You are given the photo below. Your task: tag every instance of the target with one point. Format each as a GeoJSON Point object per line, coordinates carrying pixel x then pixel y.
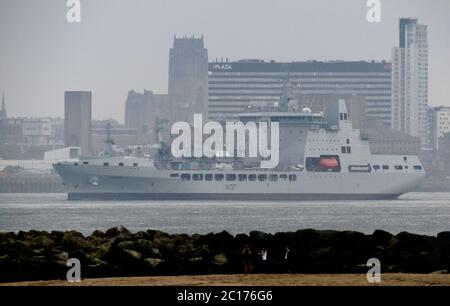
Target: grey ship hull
{"type": "Point", "coordinates": [129, 183]}
{"type": "Point", "coordinates": [228, 197]}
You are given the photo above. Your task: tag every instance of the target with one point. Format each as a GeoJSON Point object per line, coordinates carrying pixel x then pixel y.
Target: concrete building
{"type": "Point", "coordinates": [3, 114]}
{"type": "Point", "coordinates": [389, 141]}
{"type": "Point", "coordinates": [410, 81]}
{"type": "Point", "coordinates": [438, 125]}
{"type": "Point", "coordinates": [78, 116]}
{"type": "Point", "coordinates": [235, 85]}
{"type": "Point", "coordinates": [143, 112]}
{"type": "Point", "coordinates": [36, 132]}
{"type": "Point", "coordinates": [188, 79]}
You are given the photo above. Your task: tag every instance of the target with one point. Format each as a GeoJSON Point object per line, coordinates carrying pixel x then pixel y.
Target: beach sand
{"type": "Point", "coordinates": [255, 280]}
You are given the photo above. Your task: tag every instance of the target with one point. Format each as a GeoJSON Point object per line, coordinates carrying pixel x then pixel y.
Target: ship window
{"type": "Point", "coordinates": [348, 141]}
{"type": "Point", "coordinates": [341, 116]}
{"type": "Point", "coordinates": [231, 177]}
{"type": "Point", "coordinates": [208, 177]}
{"type": "Point", "coordinates": [273, 178]}
{"type": "Point", "coordinates": [418, 168]}
{"type": "Point", "coordinates": [361, 169]}
{"type": "Point", "coordinates": [75, 164]}
{"type": "Point", "coordinates": [345, 116]}
{"type": "Point", "coordinates": [292, 177]}
{"type": "Point", "coordinates": [121, 164]}
{"type": "Point", "coordinates": [376, 167]}
{"type": "Point", "coordinates": [197, 177]}
{"type": "Point", "coordinates": [283, 177]}
{"type": "Point", "coordinates": [242, 177]}
{"type": "Point", "coordinates": [185, 177]}
{"type": "Point", "coordinates": [385, 167]}
{"type": "Point", "coordinates": [343, 150]}
{"type": "Point", "coordinates": [135, 164]}
{"type": "Point", "coordinates": [105, 164]}
{"type": "Point", "coordinates": [219, 177]}
{"type": "Point", "coordinates": [174, 175]}
{"type": "Point", "coordinates": [349, 150]}
{"type": "Point", "coordinates": [398, 167]}
{"type": "Point", "coordinates": [252, 177]}
{"type": "Point", "coordinates": [85, 163]}
{"type": "Point", "coordinates": [262, 177]}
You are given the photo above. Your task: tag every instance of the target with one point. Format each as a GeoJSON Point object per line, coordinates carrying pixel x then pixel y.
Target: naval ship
{"type": "Point", "coordinates": [322, 157]}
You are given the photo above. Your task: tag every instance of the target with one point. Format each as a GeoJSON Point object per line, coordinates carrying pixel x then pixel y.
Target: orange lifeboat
{"type": "Point", "coordinates": [328, 163]}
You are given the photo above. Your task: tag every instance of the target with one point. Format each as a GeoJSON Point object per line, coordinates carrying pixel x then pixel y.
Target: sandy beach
{"type": "Point", "coordinates": [255, 280]}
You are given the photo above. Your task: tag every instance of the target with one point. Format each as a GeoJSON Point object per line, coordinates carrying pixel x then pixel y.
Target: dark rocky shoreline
{"type": "Point", "coordinates": [37, 255]}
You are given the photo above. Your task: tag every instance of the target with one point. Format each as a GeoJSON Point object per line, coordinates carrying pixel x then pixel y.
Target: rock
{"type": "Point", "coordinates": [98, 234]}
{"type": "Point", "coordinates": [201, 251]}
{"type": "Point", "coordinates": [141, 235]}
{"type": "Point", "coordinates": [153, 262]}
{"type": "Point", "coordinates": [220, 259]}
{"type": "Point", "coordinates": [257, 237]}
{"type": "Point", "coordinates": [44, 242]}
{"type": "Point", "coordinates": [383, 239]}
{"type": "Point", "coordinates": [147, 248]}
{"type": "Point", "coordinates": [440, 272]}
{"type": "Point", "coordinates": [126, 245]}
{"type": "Point", "coordinates": [4, 236]}
{"type": "Point", "coordinates": [132, 255]}
{"type": "Point", "coordinates": [60, 257]}
{"type": "Point", "coordinates": [115, 231]}
{"type": "Point", "coordinates": [74, 240]}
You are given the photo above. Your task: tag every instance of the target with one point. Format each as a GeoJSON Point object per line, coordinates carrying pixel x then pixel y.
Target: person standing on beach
{"type": "Point", "coordinates": [247, 258]}
{"type": "Point", "coordinates": [263, 260]}
{"type": "Point", "coordinates": [286, 259]}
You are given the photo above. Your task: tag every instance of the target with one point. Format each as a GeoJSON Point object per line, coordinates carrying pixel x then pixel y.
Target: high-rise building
{"type": "Point", "coordinates": [78, 116]}
{"type": "Point", "coordinates": [233, 86]}
{"type": "Point", "coordinates": [3, 114]}
{"type": "Point", "coordinates": [439, 125]}
{"type": "Point", "coordinates": [188, 79]}
{"type": "Point", "coordinates": [410, 81]}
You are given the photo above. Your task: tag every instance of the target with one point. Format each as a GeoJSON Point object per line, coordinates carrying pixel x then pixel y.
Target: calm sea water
{"type": "Point", "coordinates": [422, 213]}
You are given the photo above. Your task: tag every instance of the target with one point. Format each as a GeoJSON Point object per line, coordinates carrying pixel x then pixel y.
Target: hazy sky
{"type": "Point", "coordinates": [123, 44]}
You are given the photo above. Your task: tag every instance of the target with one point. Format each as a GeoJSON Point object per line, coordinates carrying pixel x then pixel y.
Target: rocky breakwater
{"type": "Point", "coordinates": [118, 252]}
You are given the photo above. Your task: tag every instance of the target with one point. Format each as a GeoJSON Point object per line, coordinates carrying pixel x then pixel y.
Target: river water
{"type": "Point", "coordinates": [421, 213]}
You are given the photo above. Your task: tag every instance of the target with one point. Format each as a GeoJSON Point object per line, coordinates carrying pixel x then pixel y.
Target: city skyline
{"type": "Point", "coordinates": [134, 53]}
